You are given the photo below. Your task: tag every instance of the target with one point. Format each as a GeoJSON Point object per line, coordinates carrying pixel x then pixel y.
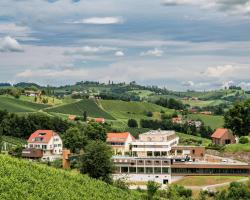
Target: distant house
{"type": "Point", "coordinates": [45, 145]}
{"type": "Point", "coordinates": [223, 136]}
{"type": "Point", "coordinates": [120, 142]}
{"type": "Point", "coordinates": [177, 120]}
{"type": "Point", "coordinates": [99, 120]}
{"type": "Point", "coordinates": [206, 113]}
{"type": "Point", "coordinates": [72, 117]}
{"type": "Point", "coordinates": [32, 93]}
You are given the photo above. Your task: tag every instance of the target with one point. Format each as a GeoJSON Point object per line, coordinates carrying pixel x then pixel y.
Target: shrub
{"type": "Point", "coordinates": [243, 140]}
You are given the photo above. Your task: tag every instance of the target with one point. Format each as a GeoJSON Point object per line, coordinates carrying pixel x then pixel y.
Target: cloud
{"type": "Point", "coordinates": [119, 53]}
{"type": "Point", "coordinates": [154, 52]}
{"type": "Point", "coordinates": [90, 50]}
{"type": "Point", "coordinates": [100, 20]}
{"type": "Point", "coordinates": [219, 71]}
{"type": "Point", "coordinates": [188, 83]}
{"type": "Point", "coordinates": [9, 44]}
{"type": "Point", "coordinates": [245, 85]}
{"type": "Point", "coordinates": [231, 6]}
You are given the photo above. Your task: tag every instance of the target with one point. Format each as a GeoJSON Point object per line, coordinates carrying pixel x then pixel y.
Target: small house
{"type": "Point", "coordinates": [223, 136]}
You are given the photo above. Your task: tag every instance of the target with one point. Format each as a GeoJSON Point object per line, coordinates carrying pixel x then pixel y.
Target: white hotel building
{"type": "Point", "coordinates": [150, 158]}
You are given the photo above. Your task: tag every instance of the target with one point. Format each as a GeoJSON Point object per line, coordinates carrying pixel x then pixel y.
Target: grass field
{"type": "Point", "coordinates": [200, 103]}
{"type": "Point", "coordinates": [51, 100]}
{"type": "Point", "coordinates": [15, 105]}
{"type": "Point", "coordinates": [77, 108]}
{"type": "Point", "coordinates": [126, 110]}
{"type": "Point", "coordinates": [185, 139]}
{"type": "Point", "coordinates": [209, 120]}
{"type": "Point", "coordinates": [232, 148]}
{"type": "Point", "coordinates": [206, 180]}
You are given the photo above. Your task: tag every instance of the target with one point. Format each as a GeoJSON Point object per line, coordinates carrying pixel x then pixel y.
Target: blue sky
{"type": "Point", "coordinates": [179, 44]}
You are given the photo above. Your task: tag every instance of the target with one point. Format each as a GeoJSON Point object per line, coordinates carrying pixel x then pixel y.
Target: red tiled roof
{"type": "Point", "coordinates": [72, 117]}
{"type": "Point", "coordinates": [118, 137]}
{"type": "Point", "coordinates": [41, 136]}
{"type": "Point", "coordinates": [219, 132]}
{"type": "Point", "coordinates": [100, 120]}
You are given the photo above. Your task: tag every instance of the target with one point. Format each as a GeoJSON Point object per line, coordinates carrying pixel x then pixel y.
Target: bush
{"type": "Point", "coordinates": [243, 140]}
{"type": "Point", "coordinates": [132, 123]}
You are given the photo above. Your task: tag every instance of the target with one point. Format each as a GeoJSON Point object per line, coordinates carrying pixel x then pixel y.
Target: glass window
{"type": "Point", "coordinates": [165, 170]}
{"type": "Point", "coordinates": [149, 153]}
{"type": "Point", "coordinates": [140, 170]}
{"type": "Point", "coordinates": [124, 169]}
{"type": "Point", "coordinates": [157, 153]}
{"type": "Point", "coordinates": [149, 170]}
{"type": "Point", "coordinates": [132, 169]}
{"type": "Point", "coordinates": [157, 170]}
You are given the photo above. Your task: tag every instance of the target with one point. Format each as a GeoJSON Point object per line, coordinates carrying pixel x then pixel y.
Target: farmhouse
{"type": "Point", "coordinates": [99, 120]}
{"type": "Point", "coordinates": [223, 136]}
{"type": "Point", "coordinates": [120, 142]}
{"type": "Point", "coordinates": [45, 145]}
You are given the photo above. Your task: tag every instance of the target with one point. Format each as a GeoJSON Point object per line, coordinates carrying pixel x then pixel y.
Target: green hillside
{"type": "Point", "coordinates": [210, 120]}
{"type": "Point", "coordinates": [127, 110]}
{"type": "Point", "coordinates": [24, 180]}
{"type": "Point", "coordinates": [77, 108]}
{"type": "Point", "coordinates": [15, 105]}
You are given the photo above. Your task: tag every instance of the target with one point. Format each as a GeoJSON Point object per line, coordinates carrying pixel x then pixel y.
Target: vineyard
{"type": "Point", "coordinates": [24, 180]}
{"type": "Point", "coordinates": [77, 108]}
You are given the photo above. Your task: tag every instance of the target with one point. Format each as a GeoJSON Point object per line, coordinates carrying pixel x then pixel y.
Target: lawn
{"type": "Point", "coordinates": [237, 148]}
{"type": "Point", "coordinates": [186, 139]}
{"type": "Point", "coordinates": [78, 108]}
{"type": "Point", "coordinates": [206, 180]}
{"type": "Point", "coordinates": [16, 105]}
{"type": "Point", "coordinates": [213, 121]}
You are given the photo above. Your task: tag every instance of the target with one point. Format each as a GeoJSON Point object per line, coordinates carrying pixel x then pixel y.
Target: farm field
{"type": "Point", "coordinates": [20, 179]}
{"type": "Point", "coordinates": [126, 110]}
{"type": "Point", "coordinates": [200, 103]}
{"type": "Point", "coordinates": [15, 105]}
{"type": "Point", "coordinates": [77, 108]}
{"type": "Point", "coordinates": [206, 180]}
{"type": "Point", "coordinates": [210, 120]}
{"type": "Point", "coordinates": [51, 100]}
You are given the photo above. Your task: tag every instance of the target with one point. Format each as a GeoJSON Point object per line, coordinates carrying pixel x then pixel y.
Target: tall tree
{"type": "Point", "coordinates": [96, 161]}
{"type": "Point", "coordinates": [238, 118]}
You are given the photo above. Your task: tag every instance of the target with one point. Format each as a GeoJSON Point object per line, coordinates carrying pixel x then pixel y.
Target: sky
{"type": "Point", "coordinates": [177, 44]}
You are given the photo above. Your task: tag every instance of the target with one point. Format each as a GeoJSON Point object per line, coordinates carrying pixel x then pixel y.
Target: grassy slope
{"type": "Point", "coordinates": [209, 120]}
{"type": "Point", "coordinates": [183, 137]}
{"type": "Point", "coordinates": [77, 108]}
{"type": "Point", "coordinates": [16, 105]}
{"type": "Point", "coordinates": [232, 148]}
{"type": "Point", "coordinates": [127, 110]}
{"type": "Point", "coordinates": [24, 180]}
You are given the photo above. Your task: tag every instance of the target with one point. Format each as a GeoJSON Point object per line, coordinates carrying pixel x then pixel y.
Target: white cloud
{"type": "Point", "coordinates": [231, 6]}
{"type": "Point", "coordinates": [90, 50]}
{"type": "Point", "coordinates": [9, 44]}
{"type": "Point", "coordinates": [154, 52]}
{"type": "Point", "coordinates": [219, 71]}
{"type": "Point", "coordinates": [119, 53]}
{"type": "Point", "coordinates": [100, 20]}
{"type": "Point", "coordinates": [188, 83]}
{"type": "Point", "coordinates": [245, 85]}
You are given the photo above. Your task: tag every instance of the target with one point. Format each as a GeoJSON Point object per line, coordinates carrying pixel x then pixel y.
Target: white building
{"type": "Point", "coordinates": [120, 142]}
{"type": "Point", "coordinates": [47, 142]}
{"type": "Point", "coordinates": [155, 143]}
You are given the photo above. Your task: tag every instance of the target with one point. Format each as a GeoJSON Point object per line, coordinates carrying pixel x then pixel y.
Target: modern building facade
{"type": "Point", "coordinates": [156, 143]}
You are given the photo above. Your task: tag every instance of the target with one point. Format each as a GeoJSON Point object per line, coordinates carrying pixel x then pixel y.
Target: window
{"type": "Point", "coordinates": [132, 169]}
{"type": "Point", "coordinates": [164, 153]}
{"type": "Point", "coordinates": [44, 146]}
{"type": "Point", "coordinates": [157, 170]}
{"type": "Point", "coordinates": [124, 169]}
{"type": "Point", "coordinates": [149, 170]}
{"type": "Point", "coordinates": [55, 145]}
{"type": "Point", "coordinates": [157, 153]}
{"type": "Point", "coordinates": [165, 170]}
{"type": "Point", "coordinates": [149, 153]}
{"type": "Point", "coordinates": [149, 162]}
{"type": "Point", "coordinates": [140, 170]}
{"type": "Point", "coordinates": [31, 145]}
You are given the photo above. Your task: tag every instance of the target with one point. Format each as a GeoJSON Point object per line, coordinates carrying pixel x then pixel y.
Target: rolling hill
{"type": "Point", "coordinates": [77, 108]}
{"type": "Point", "coordinates": [22, 180]}
{"type": "Point", "coordinates": [127, 110]}
{"type": "Point", "coordinates": [16, 105]}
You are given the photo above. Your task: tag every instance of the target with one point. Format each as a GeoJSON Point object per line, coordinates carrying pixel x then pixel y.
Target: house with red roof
{"type": "Point", "coordinates": [45, 145]}
{"type": "Point", "coordinates": [120, 142]}
{"type": "Point", "coordinates": [223, 136]}
{"type": "Point", "coordinates": [100, 120]}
